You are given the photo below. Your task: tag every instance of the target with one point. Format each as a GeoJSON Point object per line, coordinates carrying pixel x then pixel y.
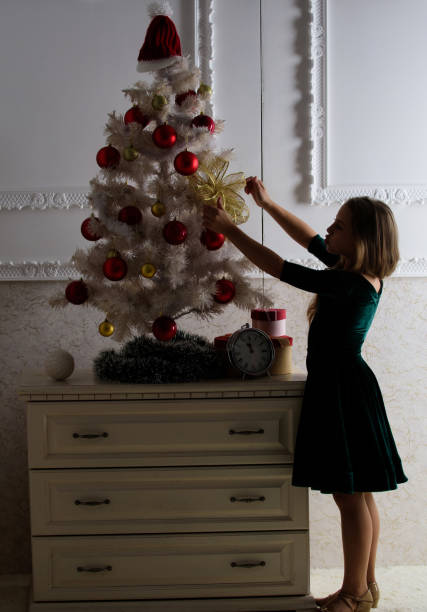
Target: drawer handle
{"type": "Point", "coordinates": [247, 500]}
{"type": "Point", "coordinates": [100, 435]}
{"type": "Point", "coordinates": [248, 564]}
{"type": "Point", "coordinates": [245, 432]}
{"type": "Point", "coordinates": [106, 568]}
{"type": "Point", "coordinates": [91, 502]}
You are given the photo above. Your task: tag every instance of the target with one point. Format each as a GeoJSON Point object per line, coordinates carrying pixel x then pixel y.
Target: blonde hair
{"type": "Point", "coordinates": [375, 236]}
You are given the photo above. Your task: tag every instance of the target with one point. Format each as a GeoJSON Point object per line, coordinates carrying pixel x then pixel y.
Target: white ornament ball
{"type": "Point", "coordinates": [59, 364]}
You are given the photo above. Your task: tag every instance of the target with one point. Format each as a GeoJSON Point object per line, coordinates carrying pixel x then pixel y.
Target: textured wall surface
{"type": "Point", "coordinates": [395, 349]}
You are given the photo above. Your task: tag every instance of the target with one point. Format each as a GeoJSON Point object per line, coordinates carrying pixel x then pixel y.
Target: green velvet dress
{"type": "Point", "coordinates": [344, 441]}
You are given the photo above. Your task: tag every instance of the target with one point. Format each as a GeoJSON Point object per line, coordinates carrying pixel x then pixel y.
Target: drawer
{"type": "Point", "coordinates": [170, 566]}
{"type": "Point", "coordinates": [160, 500]}
{"type": "Point", "coordinates": [162, 433]}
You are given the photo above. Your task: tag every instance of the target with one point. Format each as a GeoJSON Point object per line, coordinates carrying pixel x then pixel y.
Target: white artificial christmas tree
{"type": "Point", "coordinates": [152, 262]}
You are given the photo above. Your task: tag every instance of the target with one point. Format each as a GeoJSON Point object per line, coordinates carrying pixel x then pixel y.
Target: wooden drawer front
{"type": "Point", "coordinates": [69, 502]}
{"type": "Point", "coordinates": [184, 432]}
{"type": "Point", "coordinates": [161, 566]}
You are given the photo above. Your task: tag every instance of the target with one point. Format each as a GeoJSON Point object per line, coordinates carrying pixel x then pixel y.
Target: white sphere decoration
{"type": "Point", "coordinates": [59, 364]}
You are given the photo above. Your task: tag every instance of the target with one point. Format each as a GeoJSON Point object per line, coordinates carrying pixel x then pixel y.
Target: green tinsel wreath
{"type": "Point", "coordinates": [187, 357]}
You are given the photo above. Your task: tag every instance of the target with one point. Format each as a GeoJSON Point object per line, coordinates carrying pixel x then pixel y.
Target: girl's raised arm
{"type": "Point", "coordinates": [217, 220]}
{"type": "Point", "coordinates": [295, 227]}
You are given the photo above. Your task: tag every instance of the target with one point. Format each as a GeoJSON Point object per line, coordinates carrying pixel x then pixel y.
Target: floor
{"type": "Point", "coordinates": [403, 588]}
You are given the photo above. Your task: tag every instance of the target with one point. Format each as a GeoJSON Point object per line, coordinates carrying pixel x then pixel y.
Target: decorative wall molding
{"type": "Point", "coordinates": [204, 45]}
{"type": "Point", "coordinates": [37, 271]}
{"type": "Point", "coordinates": [321, 193]}
{"type": "Point", "coordinates": [415, 266]}
{"type": "Point", "coordinates": [39, 200]}
{"type": "Point", "coordinates": [66, 199]}
{"type": "Point", "coordinates": [318, 92]}
{"type": "Point", "coordinates": [391, 195]}
{"type": "Point", "coordinates": [61, 271]}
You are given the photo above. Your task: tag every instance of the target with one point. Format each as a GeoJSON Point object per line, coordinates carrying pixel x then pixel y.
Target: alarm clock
{"type": "Point", "coordinates": [251, 351]}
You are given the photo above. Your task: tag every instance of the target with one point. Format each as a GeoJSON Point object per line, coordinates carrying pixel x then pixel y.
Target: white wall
{"type": "Point", "coordinates": [65, 71]}
{"type": "Point", "coordinates": [63, 66]}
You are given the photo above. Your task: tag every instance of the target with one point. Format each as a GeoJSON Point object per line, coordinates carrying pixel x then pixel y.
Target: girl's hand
{"type": "Point", "coordinates": [256, 189]}
{"type": "Point", "coordinates": [216, 219]}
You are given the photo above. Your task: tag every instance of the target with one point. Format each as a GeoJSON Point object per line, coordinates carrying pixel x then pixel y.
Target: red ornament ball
{"type": "Point", "coordinates": [108, 157]}
{"type": "Point", "coordinates": [175, 232]}
{"type": "Point", "coordinates": [115, 268]}
{"type": "Point", "coordinates": [130, 215]}
{"type": "Point", "coordinates": [225, 291]}
{"type": "Point", "coordinates": [134, 115]}
{"type": "Point", "coordinates": [86, 229]}
{"type": "Point", "coordinates": [179, 99]}
{"type": "Point", "coordinates": [164, 328]}
{"type": "Point", "coordinates": [204, 121]}
{"type": "Point", "coordinates": [164, 136]}
{"type": "Point", "coordinates": [76, 292]}
{"type": "Point", "coordinates": [212, 240]}
{"type": "Point", "coordinates": [186, 163]}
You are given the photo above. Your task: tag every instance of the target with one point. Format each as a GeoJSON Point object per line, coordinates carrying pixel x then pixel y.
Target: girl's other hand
{"type": "Point", "coordinates": [216, 219]}
{"type": "Point", "coordinates": [255, 187]}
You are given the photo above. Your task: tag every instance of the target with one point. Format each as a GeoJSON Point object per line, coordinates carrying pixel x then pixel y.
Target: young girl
{"type": "Point", "coordinates": [344, 443]}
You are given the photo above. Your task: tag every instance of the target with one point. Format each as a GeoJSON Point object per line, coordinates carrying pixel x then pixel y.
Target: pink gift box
{"type": "Point", "coordinates": [270, 320]}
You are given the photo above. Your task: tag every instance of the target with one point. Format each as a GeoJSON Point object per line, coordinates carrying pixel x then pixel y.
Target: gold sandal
{"type": "Point", "coordinates": [363, 603]}
{"type": "Point", "coordinates": [323, 601]}
{"type": "Point", "coordinates": [375, 592]}
{"type": "Point", "coordinates": [373, 587]}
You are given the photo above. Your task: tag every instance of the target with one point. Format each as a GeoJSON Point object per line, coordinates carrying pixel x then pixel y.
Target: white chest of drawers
{"type": "Point", "coordinates": [166, 497]}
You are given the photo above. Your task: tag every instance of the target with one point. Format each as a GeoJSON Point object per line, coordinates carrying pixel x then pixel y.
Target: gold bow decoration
{"type": "Point", "coordinates": [210, 182]}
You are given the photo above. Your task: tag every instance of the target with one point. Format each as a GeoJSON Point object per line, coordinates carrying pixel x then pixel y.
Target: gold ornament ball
{"type": "Point", "coordinates": [204, 89]}
{"type": "Point", "coordinates": [106, 328]}
{"type": "Point", "coordinates": [130, 153]}
{"type": "Point", "coordinates": [148, 270]}
{"type": "Point", "coordinates": [158, 102]}
{"type": "Point", "coordinates": [158, 209]}
{"type": "Point", "coordinates": [113, 253]}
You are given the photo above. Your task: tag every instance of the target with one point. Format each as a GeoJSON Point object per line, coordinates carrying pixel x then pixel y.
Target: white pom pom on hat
{"type": "Point", "coordinates": [162, 46]}
{"type": "Point", "coordinates": [160, 8]}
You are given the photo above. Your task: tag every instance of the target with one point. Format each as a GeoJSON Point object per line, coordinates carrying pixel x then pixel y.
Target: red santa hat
{"type": "Point", "coordinates": [162, 45]}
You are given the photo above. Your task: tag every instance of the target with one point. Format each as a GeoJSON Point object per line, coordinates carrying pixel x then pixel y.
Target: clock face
{"type": "Point", "coordinates": [251, 351]}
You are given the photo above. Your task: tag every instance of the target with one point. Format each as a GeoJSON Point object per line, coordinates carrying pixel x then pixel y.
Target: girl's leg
{"type": "Point", "coordinates": [373, 511]}
{"type": "Point", "coordinates": [356, 527]}
{"type": "Point", "coordinates": [351, 585]}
